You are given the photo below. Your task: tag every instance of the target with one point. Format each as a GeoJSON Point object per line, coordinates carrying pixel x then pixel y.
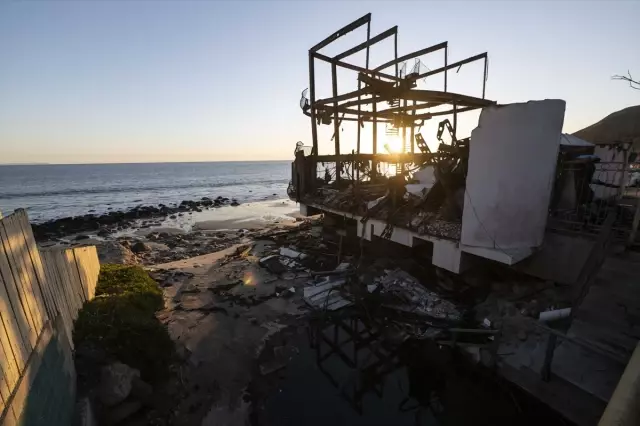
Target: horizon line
{"type": "Point", "coordinates": [141, 162]}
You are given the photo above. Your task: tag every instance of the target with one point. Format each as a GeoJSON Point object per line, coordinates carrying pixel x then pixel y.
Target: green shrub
{"type": "Point", "coordinates": [131, 281]}
{"type": "Point", "coordinates": [121, 321]}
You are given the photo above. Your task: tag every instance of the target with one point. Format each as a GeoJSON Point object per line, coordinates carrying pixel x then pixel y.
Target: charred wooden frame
{"type": "Point", "coordinates": [376, 85]}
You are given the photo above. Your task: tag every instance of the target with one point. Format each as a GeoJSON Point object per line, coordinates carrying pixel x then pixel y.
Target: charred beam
{"type": "Point", "coordinates": [342, 31]}
{"type": "Point", "coordinates": [354, 67]}
{"type": "Point", "coordinates": [371, 42]}
{"type": "Point", "coordinates": [343, 97]}
{"type": "Point", "coordinates": [382, 158]}
{"type": "Point", "coordinates": [453, 65]}
{"type": "Point", "coordinates": [336, 122]}
{"type": "Point", "coordinates": [412, 55]}
{"type": "Point", "coordinates": [429, 115]}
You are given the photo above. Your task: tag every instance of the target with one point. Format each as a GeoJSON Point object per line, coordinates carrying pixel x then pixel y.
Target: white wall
{"type": "Point", "coordinates": [512, 161]}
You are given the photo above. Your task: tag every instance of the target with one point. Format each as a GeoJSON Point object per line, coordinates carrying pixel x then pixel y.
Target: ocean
{"type": "Point", "coordinates": [54, 191]}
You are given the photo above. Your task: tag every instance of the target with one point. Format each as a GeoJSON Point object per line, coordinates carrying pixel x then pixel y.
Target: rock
{"type": "Point", "coordinates": [103, 233]}
{"type": "Point", "coordinates": [82, 237]}
{"type": "Point", "coordinates": [272, 366]}
{"type": "Point", "coordinates": [114, 252]}
{"type": "Point", "coordinates": [141, 390]}
{"type": "Point", "coordinates": [115, 383]}
{"type": "Point", "coordinates": [123, 411]}
{"type": "Point", "coordinates": [140, 247]}
{"type": "Point", "coordinates": [498, 287]}
{"type": "Point", "coordinates": [522, 334]}
{"type": "Point", "coordinates": [235, 203]}
{"type": "Point", "coordinates": [173, 216]}
{"type": "Point", "coordinates": [205, 199]}
{"type": "Point", "coordinates": [486, 358]}
{"type": "Point", "coordinates": [521, 289]}
{"type": "Point", "coordinates": [272, 263]}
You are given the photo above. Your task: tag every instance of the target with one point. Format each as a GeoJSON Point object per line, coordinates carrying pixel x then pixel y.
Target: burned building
{"type": "Point", "coordinates": [486, 195]}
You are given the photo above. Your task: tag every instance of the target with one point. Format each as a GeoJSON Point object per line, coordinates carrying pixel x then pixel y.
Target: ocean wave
{"type": "Point", "coordinates": [81, 191]}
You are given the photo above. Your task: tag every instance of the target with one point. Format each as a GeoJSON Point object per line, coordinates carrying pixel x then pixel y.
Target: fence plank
{"type": "Point", "coordinates": [74, 275]}
{"type": "Point", "coordinates": [30, 255]}
{"type": "Point", "coordinates": [60, 272]}
{"type": "Point", "coordinates": [5, 381]}
{"type": "Point", "coordinates": [10, 331]}
{"type": "Point", "coordinates": [13, 247]}
{"type": "Point", "coordinates": [86, 260]}
{"type": "Point", "coordinates": [9, 363]}
{"type": "Point", "coordinates": [16, 261]}
{"type": "Point", "coordinates": [68, 282]}
{"type": "Point", "coordinates": [78, 255]}
{"type": "Point", "coordinates": [94, 264]}
{"type": "Point", "coordinates": [36, 260]}
{"type": "Point", "coordinates": [62, 305]}
{"type": "Point", "coordinates": [64, 302]}
{"type": "Point", "coordinates": [18, 306]}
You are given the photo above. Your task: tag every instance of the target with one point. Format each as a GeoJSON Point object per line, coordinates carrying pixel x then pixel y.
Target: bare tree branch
{"type": "Point", "coordinates": [634, 84]}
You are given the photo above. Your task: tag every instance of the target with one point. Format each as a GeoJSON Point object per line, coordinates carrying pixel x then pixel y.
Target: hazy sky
{"type": "Point", "coordinates": [127, 81]}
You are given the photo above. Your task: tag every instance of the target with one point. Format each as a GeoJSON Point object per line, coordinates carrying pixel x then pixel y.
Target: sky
{"type": "Point", "coordinates": [145, 81]}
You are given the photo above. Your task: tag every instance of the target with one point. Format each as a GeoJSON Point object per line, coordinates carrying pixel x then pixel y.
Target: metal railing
{"type": "Point", "coordinates": [585, 191]}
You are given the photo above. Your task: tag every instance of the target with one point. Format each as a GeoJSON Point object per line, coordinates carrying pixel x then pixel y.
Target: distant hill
{"type": "Point", "coordinates": [621, 126]}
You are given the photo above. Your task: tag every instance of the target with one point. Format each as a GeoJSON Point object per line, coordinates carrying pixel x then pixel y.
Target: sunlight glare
{"type": "Point", "coordinates": [393, 144]}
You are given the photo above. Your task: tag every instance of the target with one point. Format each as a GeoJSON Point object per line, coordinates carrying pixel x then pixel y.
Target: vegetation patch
{"type": "Point", "coordinates": [121, 324]}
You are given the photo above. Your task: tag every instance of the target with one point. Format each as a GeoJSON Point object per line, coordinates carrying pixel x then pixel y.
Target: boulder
{"type": "Point", "coordinates": [103, 233]}
{"type": "Point", "coordinates": [123, 411]}
{"type": "Point", "coordinates": [114, 252]}
{"type": "Point", "coordinates": [116, 382]}
{"type": "Point", "coordinates": [140, 247]}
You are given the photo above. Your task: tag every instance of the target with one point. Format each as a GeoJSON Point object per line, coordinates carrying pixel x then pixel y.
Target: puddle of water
{"type": "Point", "coordinates": [345, 374]}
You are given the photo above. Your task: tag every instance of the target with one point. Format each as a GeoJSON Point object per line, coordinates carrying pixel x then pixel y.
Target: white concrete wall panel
{"type": "Point", "coordinates": [512, 162]}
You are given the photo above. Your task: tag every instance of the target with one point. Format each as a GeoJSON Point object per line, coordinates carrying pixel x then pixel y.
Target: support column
{"type": "Point", "coordinates": [336, 119]}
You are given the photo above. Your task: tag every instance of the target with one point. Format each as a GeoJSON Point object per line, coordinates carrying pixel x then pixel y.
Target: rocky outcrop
{"type": "Point", "coordinates": [103, 225]}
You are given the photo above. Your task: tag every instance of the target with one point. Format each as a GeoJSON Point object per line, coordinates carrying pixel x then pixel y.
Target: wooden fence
{"type": "Point", "coordinates": [35, 287]}
{"type": "Point", "coordinates": [71, 276]}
